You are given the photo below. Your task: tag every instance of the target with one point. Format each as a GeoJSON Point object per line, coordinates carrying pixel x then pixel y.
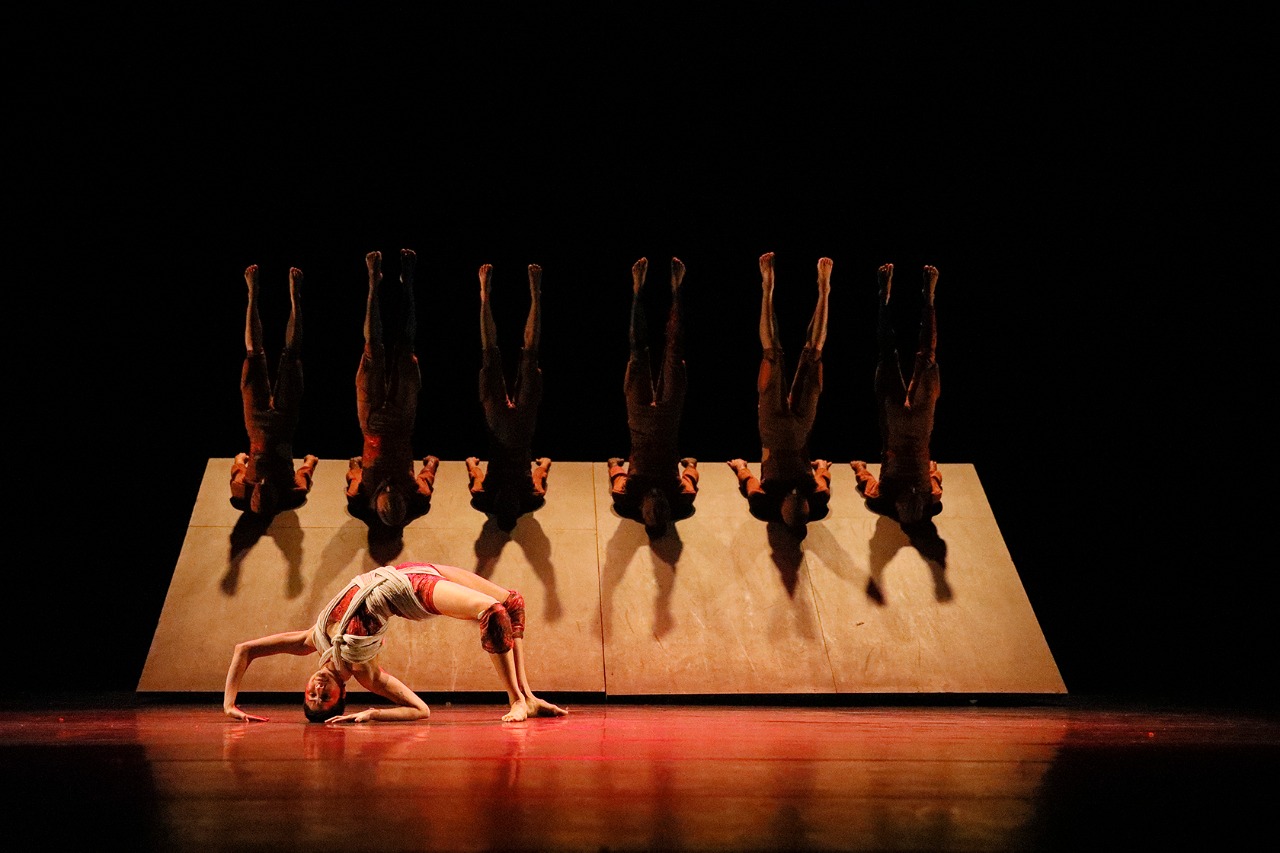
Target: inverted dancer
{"type": "Point", "coordinates": [381, 484]}
{"type": "Point", "coordinates": [791, 488]}
{"type": "Point", "coordinates": [654, 484]}
{"type": "Point", "coordinates": [350, 630]}
{"type": "Point", "coordinates": [263, 481]}
{"type": "Point", "coordinates": [910, 486]}
{"type": "Point", "coordinates": [513, 482]}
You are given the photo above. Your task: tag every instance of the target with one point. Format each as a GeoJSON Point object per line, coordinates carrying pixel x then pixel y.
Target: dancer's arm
{"type": "Point", "coordinates": [375, 679]}
{"type": "Point", "coordinates": [287, 643]}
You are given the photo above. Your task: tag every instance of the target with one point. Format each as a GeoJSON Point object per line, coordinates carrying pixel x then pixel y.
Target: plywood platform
{"type": "Point", "coordinates": [724, 604]}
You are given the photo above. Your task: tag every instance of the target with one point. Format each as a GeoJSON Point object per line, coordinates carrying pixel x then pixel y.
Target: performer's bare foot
{"type": "Point", "coordinates": [408, 263]}
{"type": "Point", "coordinates": [518, 713]}
{"type": "Point", "coordinates": [295, 283]}
{"type": "Point", "coordinates": [535, 281]}
{"type": "Point", "coordinates": [885, 277]}
{"type": "Point", "coordinates": [251, 278]}
{"type": "Point", "coordinates": [930, 282]}
{"type": "Point", "coordinates": [766, 271]}
{"type": "Point", "coordinates": [540, 708]}
{"type": "Point", "coordinates": [486, 276]}
{"type": "Point", "coordinates": [677, 274]}
{"type": "Point", "coordinates": [373, 261]}
{"type": "Point", "coordinates": [638, 272]}
{"type": "Point", "coordinates": [824, 276]}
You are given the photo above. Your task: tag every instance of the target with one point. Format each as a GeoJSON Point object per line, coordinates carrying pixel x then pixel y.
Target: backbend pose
{"type": "Point", "coordinates": [381, 483]}
{"type": "Point", "coordinates": [514, 482]}
{"type": "Point", "coordinates": [349, 633]}
{"type": "Point", "coordinates": [655, 485]}
{"type": "Point", "coordinates": [791, 488]}
{"type": "Point", "coordinates": [263, 481]}
{"type": "Point", "coordinates": [910, 485]}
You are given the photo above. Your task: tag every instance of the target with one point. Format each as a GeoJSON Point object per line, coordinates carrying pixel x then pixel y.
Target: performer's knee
{"type": "Point", "coordinates": [515, 610]}
{"type": "Point", "coordinates": [496, 632]}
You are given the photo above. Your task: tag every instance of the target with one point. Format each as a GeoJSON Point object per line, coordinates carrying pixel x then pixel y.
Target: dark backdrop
{"type": "Point", "coordinates": [1082, 179]}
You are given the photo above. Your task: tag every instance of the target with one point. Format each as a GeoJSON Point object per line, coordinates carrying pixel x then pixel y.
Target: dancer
{"type": "Point", "coordinates": [791, 488]}
{"type": "Point", "coordinates": [910, 486]}
{"type": "Point", "coordinates": [349, 634]}
{"type": "Point", "coordinates": [654, 485]}
{"type": "Point", "coordinates": [263, 481]}
{"type": "Point", "coordinates": [381, 484]}
{"type": "Point", "coordinates": [513, 482]}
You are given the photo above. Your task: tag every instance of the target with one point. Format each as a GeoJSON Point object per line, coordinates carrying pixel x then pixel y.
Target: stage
{"type": "Point", "coordinates": [1057, 773]}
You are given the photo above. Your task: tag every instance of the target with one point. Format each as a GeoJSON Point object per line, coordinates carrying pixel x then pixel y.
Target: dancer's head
{"type": "Point", "coordinates": [324, 696]}
{"type": "Point", "coordinates": [910, 505]}
{"type": "Point", "coordinates": [264, 499]}
{"type": "Point", "coordinates": [655, 509]}
{"type": "Point", "coordinates": [795, 512]}
{"type": "Point", "coordinates": [390, 505]}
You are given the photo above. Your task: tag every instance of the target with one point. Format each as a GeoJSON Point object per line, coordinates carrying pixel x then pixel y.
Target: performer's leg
{"type": "Point", "coordinates": [287, 398]}
{"type": "Point", "coordinates": [533, 323]}
{"type": "Point", "coordinates": [768, 321]}
{"type": "Point", "coordinates": [672, 380]}
{"type": "Point", "coordinates": [806, 387]}
{"type": "Point", "coordinates": [637, 385]}
{"type": "Point", "coordinates": [408, 330]}
{"type": "Point", "coordinates": [926, 353]}
{"type": "Point", "coordinates": [513, 602]}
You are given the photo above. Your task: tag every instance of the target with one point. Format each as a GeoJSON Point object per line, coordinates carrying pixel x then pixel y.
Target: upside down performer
{"type": "Point", "coordinates": [350, 630]}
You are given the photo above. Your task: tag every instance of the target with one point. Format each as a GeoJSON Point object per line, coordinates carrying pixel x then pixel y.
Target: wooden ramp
{"type": "Point", "coordinates": [723, 604]}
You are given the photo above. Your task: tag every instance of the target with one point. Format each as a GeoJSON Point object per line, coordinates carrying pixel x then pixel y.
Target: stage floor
{"type": "Point", "coordinates": [1058, 774]}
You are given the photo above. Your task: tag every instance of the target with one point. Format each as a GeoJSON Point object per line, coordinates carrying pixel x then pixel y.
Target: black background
{"type": "Point", "coordinates": [1084, 178]}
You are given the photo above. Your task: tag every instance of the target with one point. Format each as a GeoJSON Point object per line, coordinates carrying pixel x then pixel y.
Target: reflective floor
{"type": "Point", "coordinates": [1063, 775]}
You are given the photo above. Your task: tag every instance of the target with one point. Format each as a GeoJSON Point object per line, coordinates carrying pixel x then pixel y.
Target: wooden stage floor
{"type": "Point", "coordinates": [1058, 773]}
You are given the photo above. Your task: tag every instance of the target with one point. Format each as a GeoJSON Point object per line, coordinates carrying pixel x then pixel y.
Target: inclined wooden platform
{"type": "Point", "coordinates": [723, 605]}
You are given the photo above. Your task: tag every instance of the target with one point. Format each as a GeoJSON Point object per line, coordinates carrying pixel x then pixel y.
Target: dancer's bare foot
{"type": "Point", "coordinates": [518, 713]}
{"type": "Point", "coordinates": [535, 281]}
{"type": "Point", "coordinates": [930, 282]}
{"type": "Point", "coordinates": [677, 274]}
{"type": "Point", "coordinates": [766, 271]}
{"type": "Point", "coordinates": [638, 272]}
{"type": "Point", "coordinates": [486, 276]}
{"type": "Point", "coordinates": [824, 276]}
{"type": "Point", "coordinates": [373, 261]}
{"type": "Point", "coordinates": [885, 278]}
{"type": "Point", "coordinates": [408, 262]}
{"type": "Point", "coordinates": [540, 708]}
{"type": "Point", "coordinates": [251, 277]}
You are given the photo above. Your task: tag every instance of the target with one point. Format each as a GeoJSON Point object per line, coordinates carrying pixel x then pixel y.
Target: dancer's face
{"type": "Point", "coordinates": [323, 690]}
